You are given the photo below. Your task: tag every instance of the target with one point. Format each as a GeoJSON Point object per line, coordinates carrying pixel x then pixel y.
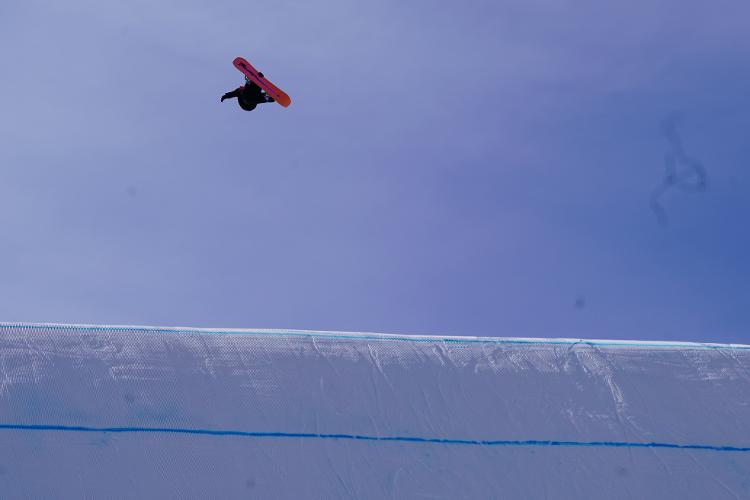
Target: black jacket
{"type": "Point", "coordinates": [248, 96]}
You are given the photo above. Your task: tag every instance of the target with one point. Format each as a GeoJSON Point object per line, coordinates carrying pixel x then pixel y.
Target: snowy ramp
{"type": "Point", "coordinates": [141, 412]}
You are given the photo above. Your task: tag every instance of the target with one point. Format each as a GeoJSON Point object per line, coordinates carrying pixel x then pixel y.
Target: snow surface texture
{"type": "Point", "coordinates": [112, 412]}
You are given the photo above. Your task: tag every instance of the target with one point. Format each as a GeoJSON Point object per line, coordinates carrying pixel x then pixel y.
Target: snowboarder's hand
{"type": "Point", "coordinates": [223, 97]}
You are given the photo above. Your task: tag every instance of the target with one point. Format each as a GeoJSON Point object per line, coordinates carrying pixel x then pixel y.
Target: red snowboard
{"type": "Point", "coordinates": [271, 89]}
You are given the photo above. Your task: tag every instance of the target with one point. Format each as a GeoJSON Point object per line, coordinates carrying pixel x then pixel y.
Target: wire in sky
{"type": "Point", "coordinates": [682, 172]}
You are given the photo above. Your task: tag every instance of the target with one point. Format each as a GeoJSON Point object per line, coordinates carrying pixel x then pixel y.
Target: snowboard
{"type": "Point", "coordinates": [247, 69]}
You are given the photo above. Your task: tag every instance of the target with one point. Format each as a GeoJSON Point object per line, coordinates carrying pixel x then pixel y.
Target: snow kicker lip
{"type": "Point", "coordinates": [291, 333]}
{"type": "Point", "coordinates": [361, 437]}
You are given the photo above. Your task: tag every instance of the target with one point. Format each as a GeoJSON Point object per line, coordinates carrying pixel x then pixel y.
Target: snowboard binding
{"type": "Point", "coordinates": [247, 78]}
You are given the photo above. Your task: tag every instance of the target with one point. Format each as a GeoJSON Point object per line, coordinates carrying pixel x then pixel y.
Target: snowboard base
{"type": "Point", "coordinates": [254, 76]}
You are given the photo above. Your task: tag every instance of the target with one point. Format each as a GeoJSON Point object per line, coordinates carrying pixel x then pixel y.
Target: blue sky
{"type": "Point", "coordinates": [465, 168]}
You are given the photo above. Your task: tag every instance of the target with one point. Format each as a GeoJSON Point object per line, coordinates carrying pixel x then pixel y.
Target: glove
{"type": "Point", "coordinates": [223, 97]}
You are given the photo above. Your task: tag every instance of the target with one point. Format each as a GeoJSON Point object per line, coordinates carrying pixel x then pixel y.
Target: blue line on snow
{"type": "Point", "coordinates": [356, 437]}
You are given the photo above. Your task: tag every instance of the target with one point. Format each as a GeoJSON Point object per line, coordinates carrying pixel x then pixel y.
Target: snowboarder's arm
{"type": "Point", "coordinates": [232, 94]}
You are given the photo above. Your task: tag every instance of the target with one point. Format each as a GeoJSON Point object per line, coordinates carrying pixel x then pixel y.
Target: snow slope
{"type": "Point", "coordinates": [112, 412]}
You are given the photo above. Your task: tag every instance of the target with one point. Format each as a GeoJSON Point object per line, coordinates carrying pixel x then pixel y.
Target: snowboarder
{"type": "Point", "coordinates": [249, 95]}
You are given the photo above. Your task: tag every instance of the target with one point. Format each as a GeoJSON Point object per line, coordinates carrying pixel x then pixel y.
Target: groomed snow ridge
{"type": "Point", "coordinates": [144, 412]}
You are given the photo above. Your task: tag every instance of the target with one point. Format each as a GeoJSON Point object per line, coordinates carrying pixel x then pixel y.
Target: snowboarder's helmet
{"type": "Point", "coordinates": [247, 106]}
